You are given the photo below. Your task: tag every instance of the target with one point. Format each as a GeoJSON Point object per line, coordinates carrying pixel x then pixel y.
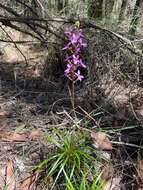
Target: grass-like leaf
{"type": "Point", "coordinates": [70, 162]}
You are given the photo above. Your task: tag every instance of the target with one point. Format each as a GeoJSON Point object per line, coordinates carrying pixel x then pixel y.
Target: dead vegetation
{"type": "Point", "coordinates": [34, 101]}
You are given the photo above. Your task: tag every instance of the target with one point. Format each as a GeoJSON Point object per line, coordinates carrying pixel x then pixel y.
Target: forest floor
{"type": "Point", "coordinates": [22, 117]}
{"type": "Point", "coordinates": [26, 114]}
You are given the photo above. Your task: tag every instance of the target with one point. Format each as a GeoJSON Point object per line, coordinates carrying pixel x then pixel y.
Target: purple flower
{"type": "Point", "coordinates": [78, 61]}
{"type": "Point", "coordinates": [82, 43]}
{"type": "Point", "coordinates": [75, 43]}
{"type": "Point", "coordinates": [70, 69]}
{"type": "Point", "coordinates": [68, 58]}
{"type": "Point", "coordinates": [82, 64]}
{"type": "Point", "coordinates": [75, 59]}
{"type": "Point", "coordinates": [74, 38]}
{"type": "Point", "coordinates": [77, 50]}
{"type": "Point", "coordinates": [79, 76]}
{"type": "Point", "coordinates": [69, 31]}
{"type": "Point", "coordinates": [67, 46]}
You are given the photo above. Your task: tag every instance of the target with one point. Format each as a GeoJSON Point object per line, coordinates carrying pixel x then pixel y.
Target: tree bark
{"type": "Point", "coordinates": [123, 10]}
{"type": "Point", "coordinates": [66, 7]}
{"type": "Point", "coordinates": [108, 8]}
{"type": "Point", "coordinates": [60, 5]}
{"type": "Point", "coordinates": [95, 9]}
{"type": "Point", "coordinates": [136, 18]}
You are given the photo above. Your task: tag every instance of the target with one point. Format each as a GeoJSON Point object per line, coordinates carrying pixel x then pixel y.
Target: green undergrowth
{"type": "Point", "coordinates": [73, 164]}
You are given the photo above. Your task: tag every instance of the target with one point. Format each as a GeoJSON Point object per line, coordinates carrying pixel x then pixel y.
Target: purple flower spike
{"type": "Point", "coordinates": [79, 76]}
{"type": "Point", "coordinates": [73, 58]}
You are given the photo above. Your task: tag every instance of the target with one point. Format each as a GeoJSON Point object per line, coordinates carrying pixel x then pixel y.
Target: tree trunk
{"type": "Point", "coordinates": [136, 18]}
{"type": "Point", "coordinates": [95, 9]}
{"type": "Point", "coordinates": [123, 10]}
{"type": "Point", "coordinates": [34, 6]}
{"type": "Point", "coordinates": [108, 8]}
{"type": "Point", "coordinates": [66, 7]}
{"type": "Point", "coordinates": [49, 5]}
{"type": "Point", "coordinates": [60, 5]}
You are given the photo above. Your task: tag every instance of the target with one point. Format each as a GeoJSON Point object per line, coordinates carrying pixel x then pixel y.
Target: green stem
{"type": "Point", "coordinates": [72, 96]}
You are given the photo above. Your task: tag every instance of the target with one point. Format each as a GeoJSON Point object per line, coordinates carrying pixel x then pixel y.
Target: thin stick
{"type": "Point", "coordinates": [127, 144]}
{"type": "Point", "coordinates": [15, 45]}
{"type": "Point", "coordinates": [89, 116]}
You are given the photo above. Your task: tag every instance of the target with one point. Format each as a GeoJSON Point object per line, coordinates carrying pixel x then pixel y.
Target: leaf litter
{"type": "Point", "coordinates": [10, 176]}
{"type": "Point", "coordinates": [101, 141]}
{"type": "Point", "coordinates": [14, 137]}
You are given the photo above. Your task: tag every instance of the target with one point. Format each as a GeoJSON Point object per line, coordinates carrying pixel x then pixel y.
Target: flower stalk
{"type": "Point", "coordinates": [75, 43]}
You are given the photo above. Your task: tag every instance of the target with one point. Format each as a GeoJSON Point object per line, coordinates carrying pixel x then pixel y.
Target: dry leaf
{"type": "Point", "coordinates": [14, 137]}
{"type": "Point", "coordinates": [121, 100]}
{"type": "Point", "coordinates": [107, 172]}
{"type": "Point", "coordinates": [10, 178]}
{"type": "Point", "coordinates": [20, 128]}
{"type": "Point", "coordinates": [101, 140]}
{"type": "Point", "coordinates": [4, 114]}
{"type": "Point", "coordinates": [50, 181]}
{"type": "Point", "coordinates": [35, 135]}
{"type": "Point", "coordinates": [139, 114]}
{"type": "Point", "coordinates": [36, 72]}
{"type": "Point", "coordinates": [28, 182]}
{"type": "Point", "coordinates": [140, 169]}
{"type": "Point", "coordinates": [34, 156]}
{"type": "Point", "coordinates": [2, 178]}
{"type": "Point", "coordinates": [113, 184]}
